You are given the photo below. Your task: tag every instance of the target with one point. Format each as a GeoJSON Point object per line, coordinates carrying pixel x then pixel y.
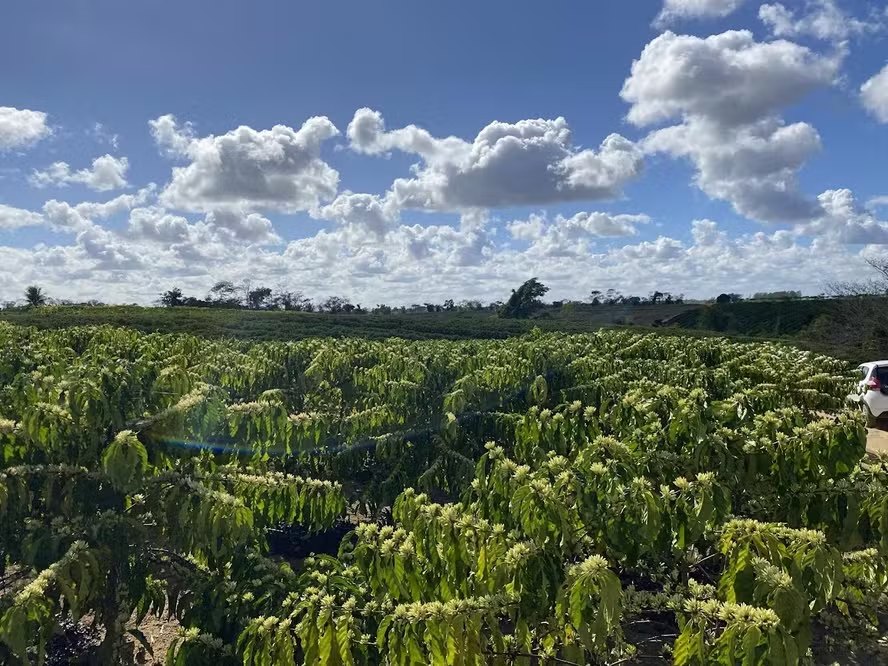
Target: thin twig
{"type": "Point", "coordinates": [656, 638]}
{"type": "Point", "coordinates": [701, 561]}
{"type": "Point", "coordinates": [179, 559]}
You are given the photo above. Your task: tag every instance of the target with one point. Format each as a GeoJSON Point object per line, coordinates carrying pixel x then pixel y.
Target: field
{"type": "Point", "coordinates": [755, 318]}
{"type": "Point", "coordinates": [280, 325]}
{"type": "Point", "coordinates": [598, 498]}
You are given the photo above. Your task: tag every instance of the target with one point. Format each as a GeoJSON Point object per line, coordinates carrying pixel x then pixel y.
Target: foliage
{"type": "Point", "coordinates": [34, 296]}
{"type": "Point", "coordinates": [525, 299]}
{"type": "Point", "coordinates": [532, 500]}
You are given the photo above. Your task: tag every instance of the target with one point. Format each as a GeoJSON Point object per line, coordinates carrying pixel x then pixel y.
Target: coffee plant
{"type": "Point", "coordinates": [606, 498]}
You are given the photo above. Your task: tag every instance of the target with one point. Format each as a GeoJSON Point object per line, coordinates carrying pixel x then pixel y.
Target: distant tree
{"type": "Point", "coordinates": [335, 305]}
{"type": "Point", "coordinates": [525, 299]}
{"type": "Point", "coordinates": [776, 295]}
{"type": "Point", "coordinates": [172, 298]}
{"type": "Point", "coordinates": [284, 299]}
{"type": "Point", "coordinates": [595, 296]}
{"type": "Point", "coordinates": [382, 309]}
{"type": "Point", "coordinates": [856, 321]}
{"type": "Point", "coordinates": [224, 294]}
{"type": "Point", "coordinates": [656, 297]}
{"type": "Point", "coordinates": [258, 297]}
{"type": "Point", "coordinates": [448, 305]}
{"type": "Point", "coordinates": [348, 308]}
{"type": "Point", "coordinates": [613, 297]}
{"type": "Point", "coordinates": [430, 307]}
{"type": "Point", "coordinates": [723, 298]}
{"type": "Point", "coordinates": [35, 296]}
{"type": "Point", "coordinates": [245, 287]}
{"type": "Point", "coordinates": [668, 298]}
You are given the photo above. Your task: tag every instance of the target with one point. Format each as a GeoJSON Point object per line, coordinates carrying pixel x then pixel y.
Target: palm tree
{"type": "Point", "coordinates": [34, 296]}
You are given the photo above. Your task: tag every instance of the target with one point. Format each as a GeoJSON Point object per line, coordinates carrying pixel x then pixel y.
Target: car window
{"type": "Point", "coordinates": [862, 372]}
{"type": "Point", "coordinates": [882, 374]}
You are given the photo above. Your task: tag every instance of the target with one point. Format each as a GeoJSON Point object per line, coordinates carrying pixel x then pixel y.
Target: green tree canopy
{"type": "Point", "coordinates": [525, 299]}
{"type": "Point", "coordinates": [35, 296]}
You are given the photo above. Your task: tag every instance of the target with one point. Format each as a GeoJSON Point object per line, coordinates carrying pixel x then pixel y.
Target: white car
{"type": "Point", "coordinates": [872, 390]}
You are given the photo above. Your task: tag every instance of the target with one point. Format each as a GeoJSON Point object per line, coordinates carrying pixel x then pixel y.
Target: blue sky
{"type": "Point", "coordinates": [440, 150]}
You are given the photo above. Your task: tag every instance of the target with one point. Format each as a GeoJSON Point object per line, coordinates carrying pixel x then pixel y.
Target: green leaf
{"type": "Point", "coordinates": [750, 643]}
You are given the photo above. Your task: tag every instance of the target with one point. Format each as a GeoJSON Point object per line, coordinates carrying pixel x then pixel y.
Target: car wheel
{"type": "Point", "coordinates": [871, 421]}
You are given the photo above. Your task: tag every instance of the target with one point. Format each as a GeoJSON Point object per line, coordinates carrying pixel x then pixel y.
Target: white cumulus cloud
{"type": "Point", "coordinates": [106, 173]}
{"type": "Point", "coordinates": [844, 221]}
{"type": "Point", "coordinates": [20, 128]}
{"type": "Point", "coordinates": [822, 19]}
{"type": "Point", "coordinates": [243, 226]}
{"type": "Point", "coordinates": [245, 169]}
{"type": "Point", "coordinates": [15, 218]}
{"type": "Point", "coordinates": [726, 91]}
{"type": "Point", "coordinates": [368, 211]}
{"type": "Point", "coordinates": [874, 95]}
{"type": "Point", "coordinates": [573, 235]}
{"type": "Point", "coordinates": [675, 10]}
{"type": "Point", "coordinates": [507, 164]}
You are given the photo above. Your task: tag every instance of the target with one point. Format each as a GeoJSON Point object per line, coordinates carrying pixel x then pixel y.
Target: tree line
{"type": "Point", "coordinates": [523, 302]}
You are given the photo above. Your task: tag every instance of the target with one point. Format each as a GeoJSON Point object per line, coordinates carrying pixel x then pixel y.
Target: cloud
{"type": "Point", "coordinates": [728, 78]}
{"type": "Point", "coordinates": [874, 95]}
{"type": "Point", "coordinates": [101, 134]}
{"type": "Point", "coordinates": [15, 218]}
{"type": "Point", "coordinates": [62, 216]}
{"type": "Point", "coordinates": [243, 226]}
{"type": "Point", "coordinates": [108, 251]}
{"type": "Point", "coordinates": [156, 224]}
{"type": "Point", "coordinates": [530, 162]}
{"type": "Point", "coordinates": [875, 202]}
{"type": "Point", "coordinates": [755, 167]}
{"type": "Point", "coordinates": [844, 221]}
{"type": "Point", "coordinates": [278, 169]}
{"type": "Point", "coordinates": [172, 138]}
{"type": "Point", "coordinates": [20, 128]}
{"type": "Point", "coordinates": [726, 91]}
{"type": "Point", "coordinates": [574, 235]}
{"type": "Point", "coordinates": [378, 215]}
{"type": "Point", "coordinates": [406, 252]}
{"type": "Point", "coordinates": [107, 173]}
{"type": "Point", "coordinates": [676, 10]}
{"type": "Point", "coordinates": [415, 263]}
{"type": "Point", "coordinates": [118, 204]}
{"type": "Point", "coordinates": [823, 20]}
